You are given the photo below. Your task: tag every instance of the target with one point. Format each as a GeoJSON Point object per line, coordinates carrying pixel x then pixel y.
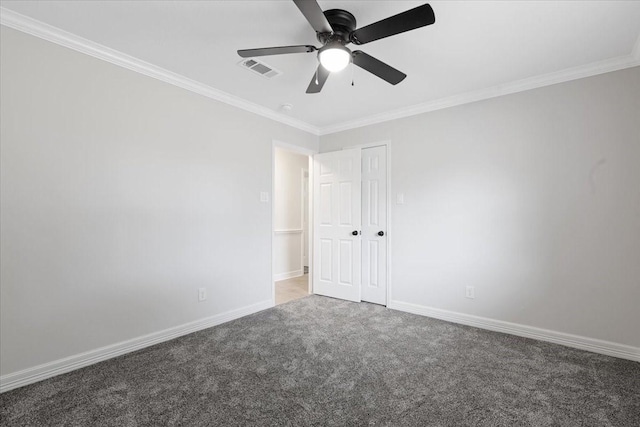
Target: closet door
{"type": "Point", "coordinates": [374, 225]}
{"type": "Point", "coordinates": [337, 216]}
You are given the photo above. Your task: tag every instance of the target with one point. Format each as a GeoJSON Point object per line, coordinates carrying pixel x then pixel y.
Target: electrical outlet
{"type": "Point", "coordinates": [202, 294]}
{"type": "Point", "coordinates": [470, 292]}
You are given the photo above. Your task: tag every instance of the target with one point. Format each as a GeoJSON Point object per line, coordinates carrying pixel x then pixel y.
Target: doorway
{"type": "Point", "coordinates": [291, 221]}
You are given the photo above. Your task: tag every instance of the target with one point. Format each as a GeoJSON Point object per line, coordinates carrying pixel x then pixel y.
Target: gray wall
{"type": "Point", "coordinates": [532, 198]}
{"type": "Point", "coordinates": [121, 195]}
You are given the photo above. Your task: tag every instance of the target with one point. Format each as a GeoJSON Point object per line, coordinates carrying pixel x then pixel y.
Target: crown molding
{"type": "Point", "coordinates": [53, 34]}
{"type": "Point", "coordinates": [47, 32]}
{"type": "Point", "coordinates": [593, 69]}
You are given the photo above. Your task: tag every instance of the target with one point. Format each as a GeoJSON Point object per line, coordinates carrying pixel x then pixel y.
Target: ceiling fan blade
{"type": "Point", "coordinates": [318, 80]}
{"type": "Point", "coordinates": [311, 10]}
{"type": "Point", "coordinates": [377, 67]}
{"type": "Point", "coordinates": [405, 21]}
{"type": "Point", "coordinates": [248, 53]}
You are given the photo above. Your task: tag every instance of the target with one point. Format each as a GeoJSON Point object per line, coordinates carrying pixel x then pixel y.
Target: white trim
{"type": "Point", "coordinates": [295, 148]}
{"type": "Point", "coordinates": [302, 263]}
{"type": "Point", "coordinates": [310, 227]}
{"type": "Point", "coordinates": [287, 275]}
{"type": "Point", "coordinates": [576, 341]}
{"type": "Point", "coordinates": [601, 67]}
{"type": "Point", "coordinates": [385, 142]}
{"type": "Point", "coordinates": [53, 34]}
{"type": "Point", "coordinates": [77, 361]}
{"type": "Point", "coordinates": [293, 231]}
{"type": "Point", "coordinates": [389, 222]}
{"type": "Point", "coordinates": [273, 221]}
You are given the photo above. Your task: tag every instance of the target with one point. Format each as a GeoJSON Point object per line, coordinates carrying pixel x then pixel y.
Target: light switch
{"type": "Point", "coordinates": [400, 199]}
{"type": "Point", "coordinates": [264, 197]}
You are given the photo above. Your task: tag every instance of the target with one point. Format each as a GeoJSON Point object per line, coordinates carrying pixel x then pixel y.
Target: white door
{"type": "Point", "coordinates": [374, 225]}
{"type": "Point", "coordinates": [336, 239]}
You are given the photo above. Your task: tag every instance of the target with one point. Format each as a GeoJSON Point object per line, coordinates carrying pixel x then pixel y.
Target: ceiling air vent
{"type": "Point", "coordinates": [259, 68]}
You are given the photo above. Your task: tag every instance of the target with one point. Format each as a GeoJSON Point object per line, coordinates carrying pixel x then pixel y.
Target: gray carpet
{"type": "Point", "coordinates": [320, 361]}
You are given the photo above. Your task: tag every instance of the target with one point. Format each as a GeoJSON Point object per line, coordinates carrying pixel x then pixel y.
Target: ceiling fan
{"type": "Point", "coordinates": [336, 28]}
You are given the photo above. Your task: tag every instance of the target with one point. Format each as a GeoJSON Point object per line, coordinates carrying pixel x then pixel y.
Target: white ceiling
{"type": "Point", "coordinates": [474, 45]}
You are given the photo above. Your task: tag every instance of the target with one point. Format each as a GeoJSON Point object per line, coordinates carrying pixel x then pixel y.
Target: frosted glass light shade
{"type": "Point", "coordinates": [335, 57]}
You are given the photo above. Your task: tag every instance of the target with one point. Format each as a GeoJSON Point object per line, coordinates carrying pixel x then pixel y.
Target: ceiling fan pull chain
{"type": "Point", "coordinates": [352, 73]}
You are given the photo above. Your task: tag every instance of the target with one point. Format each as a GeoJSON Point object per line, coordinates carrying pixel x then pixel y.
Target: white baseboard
{"type": "Point", "coordinates": [287, 275]}
{"type": "Point", "coordinates": [71, 363]}
{"type": "Point", "coordinates": [576, 341]}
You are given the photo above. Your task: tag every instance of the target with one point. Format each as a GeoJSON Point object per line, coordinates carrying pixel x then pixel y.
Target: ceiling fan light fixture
{"type": "Point", "coordinates": [334, 57]}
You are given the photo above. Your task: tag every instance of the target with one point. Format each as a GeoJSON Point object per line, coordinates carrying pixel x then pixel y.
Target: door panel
{"type": "Point", "coordinates": [325, 206]}
{"type": "Point", "coordinates": [326, 260]}
{"type": "Point", "coordinates": [346, 205]}
{"type": "Point", "coordinates": [337, 202]}
{"type": "Point", "coordinates": [374, 251]}
{"type": "Point", "coordinates": [374, 220]}
{"type": "Point", "coordinates": [346, 262]}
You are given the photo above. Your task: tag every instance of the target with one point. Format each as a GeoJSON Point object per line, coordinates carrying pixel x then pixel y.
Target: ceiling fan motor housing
{"type": "Point", "coordinates": [343, 24]}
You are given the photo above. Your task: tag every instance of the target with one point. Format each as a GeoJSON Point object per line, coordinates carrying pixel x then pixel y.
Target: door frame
{"type": "Point", "coordinates": [387, 144]}
{"type": "Point", "coordinates": [309, 189]}
{"type": "Point", "coordinates": [307, 152]}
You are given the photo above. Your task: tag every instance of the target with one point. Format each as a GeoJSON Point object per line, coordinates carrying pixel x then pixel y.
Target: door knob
{"type": "Point", "coordinates": [380, 233]}
{"type": "Point", "coordinates": [354, 232]}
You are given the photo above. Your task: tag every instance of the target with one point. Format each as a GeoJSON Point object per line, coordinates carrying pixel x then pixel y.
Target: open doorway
{"type": "Point", "coordinates": [291, 223]}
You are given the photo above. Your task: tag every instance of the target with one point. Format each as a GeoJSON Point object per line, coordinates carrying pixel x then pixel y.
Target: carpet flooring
{"type": "Point", "coordinates": [320, 361]}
